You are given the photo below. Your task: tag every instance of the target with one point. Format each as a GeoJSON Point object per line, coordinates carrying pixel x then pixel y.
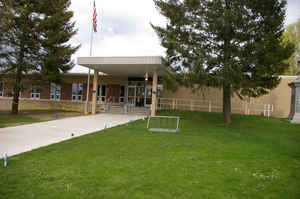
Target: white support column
{"type": "Point", "coordinates": [95, 88]}
{"type": "Point", "coordinates": [246, 108]}
{"type": "Point", "coordinates": [173, 104]}
{"type": "Point", "coordinates": [87, 101]}
{"type": "Point", "coordinates": [154, 92]}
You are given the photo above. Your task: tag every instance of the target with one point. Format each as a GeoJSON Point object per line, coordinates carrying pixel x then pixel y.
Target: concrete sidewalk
{"type": "Point", "coordinates": [19, 139]}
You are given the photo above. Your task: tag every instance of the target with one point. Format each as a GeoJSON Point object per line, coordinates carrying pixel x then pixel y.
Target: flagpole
{"type": "Point", "coordinates": [89, 74]}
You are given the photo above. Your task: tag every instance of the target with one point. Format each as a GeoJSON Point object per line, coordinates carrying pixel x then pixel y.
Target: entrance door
{"type": "Point", "coordinates": [148, 94]}
{"type": "Point", "coordinates": [140, 95]}
{"type": "Point", "coordinates": [131, 95]}
{"type": "Point", "coordinates": [113, 93]}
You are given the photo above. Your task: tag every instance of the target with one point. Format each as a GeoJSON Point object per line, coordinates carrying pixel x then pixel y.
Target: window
{"type": "Point", "coordinates": [101, 93]}
{"type": "Point", "coordinates": [35, 92]}
{"type": "Point", "coordinates": [1, 89]}
{"type": "Point", "coordinates": [98, 93]}
{"type": "Point", "coordinates": [77, 91]}
{"type": "Point", "coordinates": [160, 90]}
{"type": "Point", "coordinates": [122, 94]}
{"type": "Point", "coordinates": [55, 91]}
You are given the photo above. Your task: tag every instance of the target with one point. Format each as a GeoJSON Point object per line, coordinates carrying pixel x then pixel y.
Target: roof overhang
{"type": "Point", "coordinates": [124, 66]}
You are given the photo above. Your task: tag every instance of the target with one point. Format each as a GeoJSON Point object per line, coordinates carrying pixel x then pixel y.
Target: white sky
{"type": "Point", "coordinates": [124, 27]}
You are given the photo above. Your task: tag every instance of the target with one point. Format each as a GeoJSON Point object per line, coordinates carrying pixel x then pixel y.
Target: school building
{"type": "Point", "coordinates": [134, 84]}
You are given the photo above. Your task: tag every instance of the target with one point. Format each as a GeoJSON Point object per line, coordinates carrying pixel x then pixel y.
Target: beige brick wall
{"type": "Point", "coordinates": [280, 98]}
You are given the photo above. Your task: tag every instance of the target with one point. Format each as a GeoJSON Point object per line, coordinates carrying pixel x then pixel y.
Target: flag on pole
{"type": "Point", "coordinates": [94, 29]}
{"type": "Point", "coordinates": [95, 18]}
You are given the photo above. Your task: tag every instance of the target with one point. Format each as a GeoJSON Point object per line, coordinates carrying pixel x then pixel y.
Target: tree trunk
{"type": "Point", "coordinates": [15, 102]}
{"type": "Point", "coordinates": [227, 72]}
{"type": "Point", "coordinates": [226, 104]}
{"type": "Point", "coordinates": [16, 94]}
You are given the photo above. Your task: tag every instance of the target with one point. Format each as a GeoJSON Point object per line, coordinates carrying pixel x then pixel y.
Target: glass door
{"type": "Point", "coordinates": [122, 93]}
{"type": "Point", "coordinates": [131, 95]}
{"type": "Point", "coordinates": [101, 93]}
{"type": "Point", "coordinates": [140, 95]}
{"type": "Point", "coordinates": [148, 96]}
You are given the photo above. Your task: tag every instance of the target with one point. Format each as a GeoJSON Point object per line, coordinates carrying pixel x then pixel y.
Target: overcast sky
{"type": "Point", "coordinates": [124, 27]}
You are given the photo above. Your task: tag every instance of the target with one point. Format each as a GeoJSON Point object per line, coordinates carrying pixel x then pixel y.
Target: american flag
{"type": "Point", "coordinates": [95, 18]}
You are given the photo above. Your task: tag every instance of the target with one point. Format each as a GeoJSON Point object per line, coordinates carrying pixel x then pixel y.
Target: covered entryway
{"type": "Point", "coordinates": [143, 95]}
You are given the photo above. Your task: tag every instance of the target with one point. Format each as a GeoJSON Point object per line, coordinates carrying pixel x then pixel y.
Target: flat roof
{"type": "Point", "coordinates": [124, 66]}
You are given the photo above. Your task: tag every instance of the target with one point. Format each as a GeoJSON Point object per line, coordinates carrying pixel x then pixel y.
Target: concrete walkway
{"type": "Point", "coordinates": [19, 139]}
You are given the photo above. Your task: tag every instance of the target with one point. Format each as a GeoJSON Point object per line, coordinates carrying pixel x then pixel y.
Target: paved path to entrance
{"type": "Point", "coordinates": [19, 139]}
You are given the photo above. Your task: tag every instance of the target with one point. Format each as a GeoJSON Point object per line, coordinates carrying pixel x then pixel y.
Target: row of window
{"type": "Point", "coordinates": [77, 92]}
{"type": "Point", "coordinates": [55, 91]}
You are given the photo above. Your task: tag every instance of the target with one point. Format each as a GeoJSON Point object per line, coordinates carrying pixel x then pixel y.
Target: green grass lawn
{"type": "Point", "coordinates": [254, 158]}
{"type": "Point", "coordinates": [7, 119]}
{"type": "Point", "coordinates": [24, 117]}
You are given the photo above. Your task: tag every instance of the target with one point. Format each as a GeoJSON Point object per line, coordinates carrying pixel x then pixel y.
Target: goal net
{"type": "Point", "coordinates": [163, 123]}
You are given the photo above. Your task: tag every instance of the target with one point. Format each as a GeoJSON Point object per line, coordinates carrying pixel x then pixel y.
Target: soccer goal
{"type": "Point", "coordinates": [163, 123]}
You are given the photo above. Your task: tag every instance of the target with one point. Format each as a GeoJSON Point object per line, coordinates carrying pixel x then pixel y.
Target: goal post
{"type": "Point", "coordinates": [163, 123]}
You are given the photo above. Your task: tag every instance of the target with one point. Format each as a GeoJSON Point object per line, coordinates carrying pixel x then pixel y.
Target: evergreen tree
{"type": "Point", "coordinates": [20, 49]}
{"type": "Point", "coordinates": [57, 29]}
{"type": "Point", "coordinates": [33, 41]}
{"type": "Point", "coordinates": [233, 45]}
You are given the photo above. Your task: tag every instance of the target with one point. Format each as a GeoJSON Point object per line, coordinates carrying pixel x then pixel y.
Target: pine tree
{"type": "Point", "coordinates": [57, 29]}
{"type": "Point", "coordinates": [233, 45]}
{"type": "Point", "coordinates": [33, 41]}
{"type": "Point", "coordinates": [20, 49]}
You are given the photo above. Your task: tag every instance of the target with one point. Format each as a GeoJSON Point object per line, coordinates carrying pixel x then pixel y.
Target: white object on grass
{"type": "Point", "coordinates": [163, 123]}
{"type": "Point", "coordinates": [5, 160]}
